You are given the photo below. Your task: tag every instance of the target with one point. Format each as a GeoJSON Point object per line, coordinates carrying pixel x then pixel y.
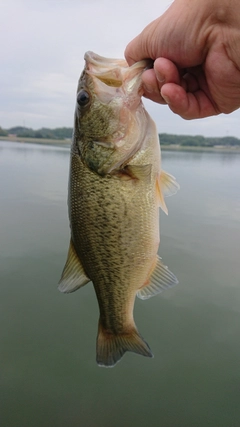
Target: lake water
{"type": "Point", "coordinates": [48, 374]}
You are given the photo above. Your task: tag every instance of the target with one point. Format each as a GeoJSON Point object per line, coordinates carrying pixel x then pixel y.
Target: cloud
{"type": "Point", "coordinates": [42, 47]}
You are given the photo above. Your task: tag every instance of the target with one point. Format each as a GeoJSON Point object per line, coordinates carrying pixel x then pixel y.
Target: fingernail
{"type": "Point", "coordinates": [160, 77]}
{"type": "Point", "coordinates": [166, 99]}
{"type": "Point", "coordinates": [148, 88]}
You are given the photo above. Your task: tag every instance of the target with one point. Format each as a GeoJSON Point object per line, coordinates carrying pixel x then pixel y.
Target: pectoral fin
{"type": "Point", "coordinates": [161, 278]}
{"type": "Point", "coordinates": [142, 172]}
{"type": "Point", "coordinates": [166, 186]}
{"type": "Point", "coordinates": [73, 276]}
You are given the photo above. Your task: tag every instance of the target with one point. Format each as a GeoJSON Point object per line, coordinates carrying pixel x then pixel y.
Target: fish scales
{"type": "Point", "coordinates": [115, 189]}
{"type": "Point", "coordinates": [110, 216]}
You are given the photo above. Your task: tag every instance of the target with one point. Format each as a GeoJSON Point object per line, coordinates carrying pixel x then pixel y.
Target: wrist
{"type": "Point", "coordinates": [210, 18]}
{"type": "Point", "coordinates": [205, 13]}
{"type": "Point", "coordinates": [226, 28]}
{"type": "Point", "coordinates": [226, 12]}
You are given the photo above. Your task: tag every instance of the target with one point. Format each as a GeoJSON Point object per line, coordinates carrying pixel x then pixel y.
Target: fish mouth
{"type": "Point", "coordinates": [115, 72]}
{"type": "Point", "coordinates": [119, 87]}
{"type": "Point", "coordinates": [97, 60]}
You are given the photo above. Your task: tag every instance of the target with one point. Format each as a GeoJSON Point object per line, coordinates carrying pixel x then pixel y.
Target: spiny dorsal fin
{"type": "Point", "coordinates": [73, 276]}
{"type": "Point", "coordinates": [161, 278]}
{"type": "Point", "coordinates": [166, 186]}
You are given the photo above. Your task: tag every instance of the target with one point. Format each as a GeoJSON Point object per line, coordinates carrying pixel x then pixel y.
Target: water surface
{"type": "Point", "coordinates": [48, 373]}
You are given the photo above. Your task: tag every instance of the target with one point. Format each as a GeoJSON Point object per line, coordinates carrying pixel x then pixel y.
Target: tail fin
{"type": "Point", "coordinates": [111, 347]}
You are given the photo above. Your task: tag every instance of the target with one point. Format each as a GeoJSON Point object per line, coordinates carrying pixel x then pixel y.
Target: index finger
{"type": "Point", "coordinates": [134, 51]}
{"type": "Point", "coordinates": [144, 46]}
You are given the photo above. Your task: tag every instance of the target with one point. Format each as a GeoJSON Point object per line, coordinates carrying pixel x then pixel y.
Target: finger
{"type": "Point", "coordinates": [144, 45]}
{"type": "Point", "coordinates": [186, 104]}
{"type": "Point", "coordinates": [151, 87]}
{"type": "Point", "coordinates": [135, 51]}
{"type": "Point", "coordinates": [191, 83]}
{"type": "Point", "coordinates": [166, 71]}
{"type": "Point", "coordinates": [129, 52]}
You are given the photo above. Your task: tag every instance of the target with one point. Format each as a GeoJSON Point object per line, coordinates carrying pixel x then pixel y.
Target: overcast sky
{"type": "Point", "coordinates": [42, 44]}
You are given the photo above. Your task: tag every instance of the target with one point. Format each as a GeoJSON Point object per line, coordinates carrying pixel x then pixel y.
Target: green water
{"type": "Point", "coordinates": [48, 374]}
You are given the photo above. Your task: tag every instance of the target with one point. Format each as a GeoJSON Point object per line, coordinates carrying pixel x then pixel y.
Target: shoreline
{"type": "Point", "coordinates": [67, 143]}
{"type": "Point", "coordinates": [40, 141]}
{"type": "Point", "coordinates": [216, 149]}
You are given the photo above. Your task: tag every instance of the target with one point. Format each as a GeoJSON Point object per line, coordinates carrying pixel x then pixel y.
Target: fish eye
{"type": "Point", "coordinates": [83, 98]}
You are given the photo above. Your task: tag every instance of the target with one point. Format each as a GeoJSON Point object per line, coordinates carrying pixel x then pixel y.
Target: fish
{"type": "Point", "coordinates": [116, 187]}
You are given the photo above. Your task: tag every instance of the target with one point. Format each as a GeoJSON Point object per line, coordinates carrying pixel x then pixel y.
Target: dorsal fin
{"type": "Point", "coordinates": [73, 276]}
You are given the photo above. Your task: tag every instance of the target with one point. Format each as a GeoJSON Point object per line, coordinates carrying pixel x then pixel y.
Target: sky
{"type": "Point", "coordinates": [42, 45]}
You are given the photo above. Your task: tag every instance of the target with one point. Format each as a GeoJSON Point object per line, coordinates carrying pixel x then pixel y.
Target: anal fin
{"type": "Point", "coordinates": [161, 278]}
{"type": "Point", "coordinates": [73, 276]}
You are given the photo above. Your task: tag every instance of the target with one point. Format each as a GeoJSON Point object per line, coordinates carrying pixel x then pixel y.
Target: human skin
{"type": "Point", "coordinates": [195, 46]}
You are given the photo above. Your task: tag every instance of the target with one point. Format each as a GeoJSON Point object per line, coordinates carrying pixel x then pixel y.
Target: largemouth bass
{"type": "Point", "coordinates": [116, 187]}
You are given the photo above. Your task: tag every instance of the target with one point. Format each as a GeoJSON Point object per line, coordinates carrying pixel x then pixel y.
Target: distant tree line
{"type": "Point", "coordinates": [165, 138]}
{"type": "Point", "coordinates": [46, 133]}
{"type": "Point", "coordinates": [197, 141]}
{"type": "Point", "coordinates": [3, 132]}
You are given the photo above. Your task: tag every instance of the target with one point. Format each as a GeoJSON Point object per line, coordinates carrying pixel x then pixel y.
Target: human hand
{"type": "Point", "coordinates": [196, 52]}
